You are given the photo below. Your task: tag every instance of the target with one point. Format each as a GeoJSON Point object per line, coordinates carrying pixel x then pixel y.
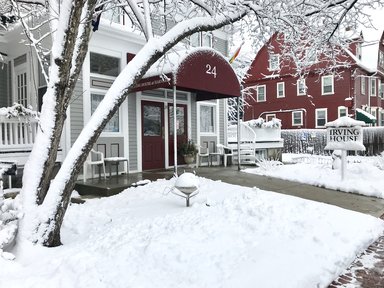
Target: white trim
{"type": "Point", "coordinates": [265, 93]}
{"type": "Point", "coordinates": [216, 124]}
{"type": "Point", "coordinates": [301, 118]}
{"type": "Point", "coordinates": [372, 79]}
{"type": "Point", "coordinates": [332, 84]}
{"type": "Point", "coordinates": [316, 118]}
{"type": "Point", "coordinates": [273, 115]}
{"type": "Point", "coordinates": [138, 132]}
{"type": "Point", "coordinates": [273, 55]}
{"type": "Point", "coordinates": [342, 108]}
{"type": "Point", "coordinates": [298, 83]}
{"type": "Point", "coordinates": [277, 90]}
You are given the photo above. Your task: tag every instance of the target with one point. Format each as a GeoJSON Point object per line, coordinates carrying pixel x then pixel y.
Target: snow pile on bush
{"type": "Point", "coordinates": [380, 161]}
{"type": "Point", "coordinates": [9, 216]}
{"type": "Point", "coordinates": [18, 110]}
{"type": "Point", "coordinates": [260, 123]}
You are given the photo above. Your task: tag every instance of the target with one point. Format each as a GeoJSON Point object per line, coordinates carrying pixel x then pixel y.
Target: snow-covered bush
{"type": "Point", "coordinates": [267, 165]}
{"type": "Point", "coordinates": [17, 111]}
{"type": "Point", "coordinates": [260, 123]}
{"type": "Point", "coordinates": [380, 161]}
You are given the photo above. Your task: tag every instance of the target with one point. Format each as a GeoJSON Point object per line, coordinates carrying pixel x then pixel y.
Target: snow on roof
{"type": "Point", "coordinates": [369, 55]}
{"type": "Point", "coordinates": [360, 62]}
{"type": "Point", "coordinates": [365, 113]}
{"type": "Point", "coordinates": [171, 61]}
{"type": "Point", "coordinates": [345, 121]}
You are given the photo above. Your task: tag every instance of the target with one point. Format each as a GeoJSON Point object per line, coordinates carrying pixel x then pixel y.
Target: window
{"type": "Point", "coordinates": [358, 51]}
{"type": "Point", "coordinates": [274, 60]}
{"type": "Point", "coordinates": [301, 87]}
{"type": "Point", "coordinates": [342, 111]}
{"type": "Point", "coordinates": [111, 14]}
{"type": "Point", "coordinates": [321, 117]}
{"type": "Point", "coordinates": [363, 85]}
{"type": "Point", "coordinates": [261, 93]}
{"type": "Point", "coordinates": [269, 117]}
{"type": "Point", "coordinates": [327, 85]}
{"type": "Point", "coordinates": [201, 39]}
{"type": "Point", "coordinates": [104, 65]}
{"type": "Point", "coordinates": [297, 118]}
{"type": "Point", "coordinates": [373, 112]}
{"type": "Point", "coordinates": [310, 56]}
{"type": "Point", "coordinates": [280, 87]}
{"type": "Point", "coordinates": [381, 59]}
{"type": "Point", "coordinates": [382, 119]}
{"type": "Point", "coordinates": [373, 86]}
{"type": "Point", "coordinates": [381, 91]}
{"type": "Point", "coordinates": [113, 124]}
{"type": "Point", "coordinates": [207, 118]}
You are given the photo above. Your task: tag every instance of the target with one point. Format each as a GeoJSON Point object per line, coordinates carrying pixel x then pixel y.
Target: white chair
{"type": "Point", "coordinates": [203, 152]}
{"type": "Point", "coordinates": [225, 152]}
{"type": "Point", "coordinates": [95, 158]}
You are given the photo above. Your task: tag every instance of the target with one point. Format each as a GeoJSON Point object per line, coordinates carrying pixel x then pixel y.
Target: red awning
{"type": "Point", "coordinates": [203, 71]}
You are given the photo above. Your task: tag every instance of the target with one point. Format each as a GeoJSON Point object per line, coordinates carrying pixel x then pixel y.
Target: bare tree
{"type": "Point", "coordinates": [45, 199]}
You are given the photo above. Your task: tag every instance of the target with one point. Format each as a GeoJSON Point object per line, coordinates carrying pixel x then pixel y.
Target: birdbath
{"type": "Point", "coordinates": [186, 183]}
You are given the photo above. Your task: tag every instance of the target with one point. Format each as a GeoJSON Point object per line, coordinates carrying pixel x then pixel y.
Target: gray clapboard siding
{"type": "Point", "coordinates": [133, 133]}
{"type": "Point", "coordinates": [77, 118]}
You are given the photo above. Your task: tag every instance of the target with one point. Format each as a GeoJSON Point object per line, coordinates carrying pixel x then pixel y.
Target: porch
{"type": "Point", "coordinates": [17, 136]}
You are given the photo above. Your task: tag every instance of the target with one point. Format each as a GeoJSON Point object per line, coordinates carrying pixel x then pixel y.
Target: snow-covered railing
{"type": "Point", "coordinates": [17, 133]}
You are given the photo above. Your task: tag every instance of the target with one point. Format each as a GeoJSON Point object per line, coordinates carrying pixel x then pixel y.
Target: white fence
{"type": "Point", "coordinates": [17, 133]}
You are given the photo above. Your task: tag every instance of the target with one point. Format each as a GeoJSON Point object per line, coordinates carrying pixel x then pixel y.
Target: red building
{"type": "Point", "coordinates": [353, 89]}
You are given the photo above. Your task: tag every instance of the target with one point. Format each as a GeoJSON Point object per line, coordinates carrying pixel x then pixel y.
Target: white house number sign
{"type": "Point", "coordinates": [211, 70]}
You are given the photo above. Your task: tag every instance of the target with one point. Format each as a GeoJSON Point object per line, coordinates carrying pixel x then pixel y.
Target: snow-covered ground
{"type": "Point", "coordinates": [363, 175]}
{"type": "Point", "coordinates": [231, 236]}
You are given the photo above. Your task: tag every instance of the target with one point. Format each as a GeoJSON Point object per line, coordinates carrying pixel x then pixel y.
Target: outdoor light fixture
{"type": "Point", "coordinates": [186, 186]}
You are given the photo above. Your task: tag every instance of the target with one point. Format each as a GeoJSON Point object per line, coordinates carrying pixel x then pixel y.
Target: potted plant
{"type": "Point", "coordinates": [188, 150]}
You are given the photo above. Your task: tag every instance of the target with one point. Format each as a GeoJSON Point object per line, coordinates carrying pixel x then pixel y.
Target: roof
{"type": "Point", "coordinates": [201, 70]}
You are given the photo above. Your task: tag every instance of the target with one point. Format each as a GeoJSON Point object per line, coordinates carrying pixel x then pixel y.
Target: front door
{"type": "Point", "coordinates": [181, 126]}
{"type": "Point", "coordinates": [152, 135]}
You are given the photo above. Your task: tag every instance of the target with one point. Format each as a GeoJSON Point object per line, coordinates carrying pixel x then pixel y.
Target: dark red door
{"type": "Point", "coordinates": [181, 125]}
{"type": "Point", "coordinates": [152, 135]}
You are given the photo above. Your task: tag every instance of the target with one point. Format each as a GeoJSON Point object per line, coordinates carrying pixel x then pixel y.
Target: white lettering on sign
{"type": "Point", "coordinates": [211, 70]}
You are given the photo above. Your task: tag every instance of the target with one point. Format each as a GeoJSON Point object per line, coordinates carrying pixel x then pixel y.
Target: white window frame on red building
{"type": "Point", "coordinates": [363, 85]}
{"type": "Point", "coordinates": [372, 86]}
{"type": "Point", "coordinates": [264, 87]}
{"type": "Point", "coordinates": [324, 79]}
{"type": "Point", "coordinates": [269, 117]}
{"type": "Point", "coordinates": [274, 62]}
{"type": "Point", "coordinates": [301, 118]}
{"type": "Point", "coordinates": [340, 113]}
{"type": "Point", "coordinates": [317, 118]}
{"type": "Point", "coordinates": [301, 87]}
{"type": "Point", "coordinates": [278, 90]}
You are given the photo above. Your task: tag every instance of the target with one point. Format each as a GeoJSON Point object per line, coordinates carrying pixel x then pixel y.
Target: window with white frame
{"type": "Point", "coordinates": [321, 117]}
{"type": "Point", "coordinates": [280, 89]}
{"type": "Point", "coordinates": [381, 59]}
{"type": "Point", "coordinates": [106, 68]}
{"type": "Point", "coordinates": [301, 87]}
{"type": "Point", "coordinates": [20, 80]}
{"type": "Point", "coordinates": [104, 64]}
{"type": "Point", "coordinates": [113, 124]}
{"type": "Point", "coordinates": [112, 14]}
{"type": "Point", "coordinates": [327, 85]}
{"type": "Point", "coordinates": [207, 118]}
{"type": "Point", "coordinates": [362, 88]}
{"type": "Point", "coordinates": [382, 118]}
{"type": "Point", "coordinates": [342, 111]}
{"type": "Point", "coordinates": [310, 56]}
{"type": "Point", "coordinates": [269, 117]}
{"type": "Point", "coordinates": [297, 118]}
{"type": "Point", "coordinates": [373, 86]}
{"type": "Point", "coordinates": [274, 62]}
{"type": "Point", "coordinates": [381, 90]}
{"type": "Point", "coordinates": [373, 111]}
{"type": "Point", "coordinates": [201, 39]}
{"type": "Point", "coordinates": [261, 90]}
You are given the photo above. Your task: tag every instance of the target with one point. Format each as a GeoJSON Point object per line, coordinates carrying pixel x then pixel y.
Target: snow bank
{"type": "Point", "coordinates": [244, 238]}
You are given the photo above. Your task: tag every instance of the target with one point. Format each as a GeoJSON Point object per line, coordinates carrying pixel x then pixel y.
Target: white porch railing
{"type": "Point", "coordinates": [17, 133]}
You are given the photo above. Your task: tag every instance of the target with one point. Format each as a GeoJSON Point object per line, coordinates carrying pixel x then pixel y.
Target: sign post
{"type": "Point", "coordinates": [345, 134]}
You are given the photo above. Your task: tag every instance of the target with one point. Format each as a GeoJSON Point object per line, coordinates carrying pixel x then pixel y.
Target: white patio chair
{"type": "Point", "coordinates": [225, 152]}
{"type": "Point", "coordinates": [203, 152]}
{"type": "Point", "coordinates": [94, 158]}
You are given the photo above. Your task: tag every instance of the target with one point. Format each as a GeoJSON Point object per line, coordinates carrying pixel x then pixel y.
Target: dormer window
{"type": "Point", "coordinates": [274, 60]}
{"type": "Point", "coordinates": [358, 51]}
